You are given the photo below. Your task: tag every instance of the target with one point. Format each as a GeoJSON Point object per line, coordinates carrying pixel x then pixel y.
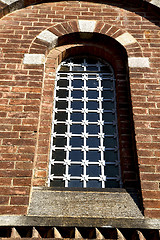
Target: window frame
{"type": "Point", "coordinates": [67, 163]}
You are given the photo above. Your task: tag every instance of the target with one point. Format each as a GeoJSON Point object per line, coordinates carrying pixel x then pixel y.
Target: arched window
{"type": "Point", "coordinates": [84, 142]}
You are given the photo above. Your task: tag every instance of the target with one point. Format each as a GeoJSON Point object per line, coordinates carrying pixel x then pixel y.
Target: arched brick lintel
{"type": "Point", "coordinates": [50, 37]}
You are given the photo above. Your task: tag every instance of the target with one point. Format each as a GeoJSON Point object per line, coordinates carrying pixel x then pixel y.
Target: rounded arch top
{"type": "Point", "coordinates": [83, 30]}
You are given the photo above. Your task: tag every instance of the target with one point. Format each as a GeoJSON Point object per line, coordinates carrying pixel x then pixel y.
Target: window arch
{"type": "Point", "coordinates": [84, 142]}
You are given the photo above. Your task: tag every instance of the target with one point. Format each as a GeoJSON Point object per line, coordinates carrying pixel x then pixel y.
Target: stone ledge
{"type": "Point", "coordinates": [8, 220]}
{"type": "Point", "coordinates": [83, 204]}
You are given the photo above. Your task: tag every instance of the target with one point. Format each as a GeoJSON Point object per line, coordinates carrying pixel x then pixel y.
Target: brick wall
{"type": "Point", "coordinates": [26, 92]}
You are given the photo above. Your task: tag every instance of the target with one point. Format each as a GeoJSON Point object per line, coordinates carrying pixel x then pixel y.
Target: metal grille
{"type": "Point", "coordinates": [84, 141]}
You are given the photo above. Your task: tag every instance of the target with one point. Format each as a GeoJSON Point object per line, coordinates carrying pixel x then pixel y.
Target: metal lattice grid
{"type": "Point", "coordinates": [84, 142]}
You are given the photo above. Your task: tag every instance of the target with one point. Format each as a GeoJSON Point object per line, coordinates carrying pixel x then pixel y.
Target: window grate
{"type": "Point", "coordinates": [84, 141]}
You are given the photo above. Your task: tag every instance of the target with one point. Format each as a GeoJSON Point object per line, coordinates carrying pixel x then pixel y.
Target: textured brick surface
{"type": "Point", "coordinates": [26, 96]}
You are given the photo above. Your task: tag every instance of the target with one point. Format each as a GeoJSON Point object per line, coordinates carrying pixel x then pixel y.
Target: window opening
{"type": "Point", "coordinates": [84, 141]}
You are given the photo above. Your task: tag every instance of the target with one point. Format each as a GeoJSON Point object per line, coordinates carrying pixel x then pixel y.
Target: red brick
{"type": "Point", "coordinates": [140, 111]}
{"type": "Point", "coordinates": [19, 201]}
{"type": "Point", "coordinates": [28, 149]}
{"type": "Point", "coordinates": [150, 176]}
{"type": "Point", "coordinates": [24, 128]}
{"type": "Point", "coordinates": [13, 95]}
{"type": "Point", "coordinates": [157, 153]}
{"type": "Point", "coordinates": [148, 145]}
{"type": "Point", "coordinates": [21, 210]}
{"type": "Point", "coordinates": [24, 102]}
{"type": "Point", "coordinates": [6, 165]}
{"type": "Point", "coordinates": [156, 138]}
{"type": "Point", "coordinates": [11, 108]}
{"type": "Point", "coordinates": [144, 168]}
{"type": "Point", "coordinates": [152, 213]}
{"type": "Point", "coordinates": [40, 173]}
{"type": "Point", "coordinates": [24, 165]}
{"type": "Point", "coordinates": [9, 135]}
{"type": "Point", "coordinates": [41, 165]}
{"type": "Point", "coordinates": [155, 125]}
{"type": "Point", "coordinates": [14, 190]}
{"type": "Point", "coordinates": [19, 142]}
{"type": "Point", "coordinates": [151, 194]}
{"type": "Point", "coordinates": [31, 108]}
{"type": "Point", "coordinates": [31, 135]}
{"type": "Point", "coordinates": [5, 181]}
{"type": "Point", "coordinates": [10, 121]}
{"type": "Point", "coordinates": [23, 115]}
{"type": "Point", "coordinates": [152, 204]}
{"type": "Point", "coordinates": [157, 168]}
{"type": "Point", "coordinates": [149, 185]}
{"type": "Point", "coordinates": [22, 181]}
{"type": "Point", "coordinates": [39, 182]}
{"type": "Point", "coordinates": [4, 200]}
{"type": "Point", "coordinates": [74, 26]}
{"type": "Point", "coordinates": [30, 121]}
{"type": "Point", "coordinates": [143, 138]}
{"type": "Point", "coordinates": [33, 96]}
{"type": "Point", "coordinates": [43, 150]}
{"type": "Point", "coordinates": [15, 173]}
{"type": "Point", "coordinates": [26, 90]}
{"type": "Point", "coordinates": [149, 161]}
{"type": "Point", "coordinates": [8, 149]}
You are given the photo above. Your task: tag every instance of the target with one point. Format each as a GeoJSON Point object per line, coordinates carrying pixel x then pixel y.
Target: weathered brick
{"type": "Point", "coordinates": [5, 181]}
{"type": "Point", "coordinates": [40, 173]}
{"type": "Point", "coordinates": [4, 200]}
{"type": "Point", "coordinates": [150, 213]}
{"type": "Point", "coordinates": [22, 181]}
{"type": "Point", "coordinates": [24, 165]}
{"type": "Point", "coordinates": [19, 142]}
{"type": "Point", "coordinates": [6, 165]}
{"type": "Point", "coordinates": [28, 149]}
{"type": "Point", "coordinates": [145, 168]}
{"type": "Point", "coordinates": [9, 135]}
{"type": "Point", "coordinates": [15, 173]}
{"type": "Point", "coordinates": [24, 102]}
{"type": "Point", "coordinates": [26, 90]}
{"type": "Point", "coordinates": [24, 128]}
{"type": "Point", "coordinates": [150, 185]}
{"type": "Point", "coordinates": [10, 210]}
{"type": "Point", "coordinates": [19, 201]}
{"type": "Point", "coordinates": [150, 176]}
{"type": "Point", "coordinates": [14, 190]}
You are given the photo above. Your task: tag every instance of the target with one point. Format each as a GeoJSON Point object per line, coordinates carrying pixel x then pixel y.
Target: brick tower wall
{"type": "Point", "coordinates": [26, 90]}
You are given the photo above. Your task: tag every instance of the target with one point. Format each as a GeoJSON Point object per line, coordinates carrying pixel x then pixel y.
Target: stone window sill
{"type": "Point", "coordinates": [83, 203]}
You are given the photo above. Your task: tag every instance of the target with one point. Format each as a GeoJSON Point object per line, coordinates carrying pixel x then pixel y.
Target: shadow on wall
{"type": "Point", "coordinates": [144, 8]}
